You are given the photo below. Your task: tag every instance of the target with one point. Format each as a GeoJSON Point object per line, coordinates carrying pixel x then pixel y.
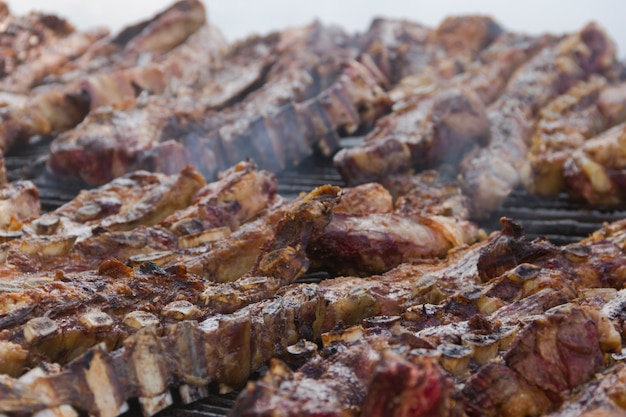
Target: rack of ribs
{"type": "Point", "coordinates": [587, 109]}
{"type": "Point", "coordinates": [595, 171]}
{"type": "Point", "coordinates": [113, 71]}
{"type": "Point", "coordinates": [491, 174]}
{"type": "Point", "coordinates": [472, 349]}
{"type": "Point", "coordinates": [178, 272]}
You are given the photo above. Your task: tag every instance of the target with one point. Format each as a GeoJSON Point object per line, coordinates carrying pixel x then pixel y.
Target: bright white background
{"type": "Point", "coordinates": [238, 18]}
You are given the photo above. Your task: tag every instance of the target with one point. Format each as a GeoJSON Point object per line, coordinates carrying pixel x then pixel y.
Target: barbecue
{"type": "Point", "coordinates": [403, 221]}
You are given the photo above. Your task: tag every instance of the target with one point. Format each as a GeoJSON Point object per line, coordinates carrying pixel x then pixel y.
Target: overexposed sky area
{"type": "Point", "coordinates": [238, 18]}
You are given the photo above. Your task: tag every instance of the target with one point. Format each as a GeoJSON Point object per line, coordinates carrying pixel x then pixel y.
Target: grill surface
{"type": "Point", "coordinates": [557, 218]}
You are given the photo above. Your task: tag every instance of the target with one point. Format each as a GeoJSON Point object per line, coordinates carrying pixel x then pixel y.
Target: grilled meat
{"type": "Point", "coordinates": [253, 334]}
{"type": "Point", "coordinates": [375, 243]}
{"type": "Point", "coordinates": [466, 331]}
{"type": "Point", "coordinates": [584, 111]}
{"type": "Point", "coordinates": [139, 198]}
{"type": "Point", "coordinates": [357, 379]}
{"type": "Point", "coordinates": [147, 216]}
{"type": "Point", "coordinates": [25, 38]}
{"type": "Point", "coordinates": [595, 171]}
{"type": "Point", "coordinates": [155, 36]}
{"type": "Point", "coordinates": [401, 48]}
{"type": "Point", "coordinates": [19, 202]}
{"type": "Point", "coordinates": [491, 174]}
{"type": "Point", "coordinates": [187, 127]}
{"type": "Point", "coordinates": [111, 142]}
{"type": "Point", "coordinates": [420, 135]}
{"type": "Point", "coordinates": [155, 282]}
{"type": "Point", "coordinates": [79, 310]}
{"type": "Point", "coordinates": [602, 396]}
{"type": "Point", "coordinates": [428, 221]}
{"type": "Point", "coordinates": [34, 72]}
{"type": "Point", "coordinates": [437, 120]}
{"type": "Point", "coordinates": [538, 389]}
{"type": "Point", "coordinates": [62, 105]}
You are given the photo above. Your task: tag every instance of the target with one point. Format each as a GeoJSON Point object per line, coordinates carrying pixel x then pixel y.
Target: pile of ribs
{"type": "Point", "coordinates": [179, 271]}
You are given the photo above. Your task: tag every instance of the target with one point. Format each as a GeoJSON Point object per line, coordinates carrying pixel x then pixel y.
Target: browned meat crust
{"type": "Point", "coordinates": [437, 120]}
{"type": "Point", "coordinates": [155, 282]}
{"type": "Point", "coordinates": [507, 351]}
{"type": "Point", "coordinates": [595, 172]}
{"type": "Point", "coordinates": [491, 174]}
{"type": "Point", "coordinates": [563, 126]}
{"type": "Point", "coordinates": [111, 142]}
{"type": "Point", "coordinates": [120, 73]}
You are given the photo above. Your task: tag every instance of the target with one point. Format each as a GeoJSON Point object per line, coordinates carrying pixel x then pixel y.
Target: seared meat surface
{"type": "Point", "coordinates": [181, 270]}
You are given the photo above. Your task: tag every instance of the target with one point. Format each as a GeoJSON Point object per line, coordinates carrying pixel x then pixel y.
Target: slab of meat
{"type": "Point", "coordinates": [462, 335]}
{"type": "Point", "coordinates": [161, 286]}
{"type": "Point", "coordinates": [595, 171]}
{"type": "Point", "coordinates": [437, 120]}
{"type": "Point", "coordinates": [401, 48]}
{"type": "Point", "coordinates": [491, 174]}
{"type": "Point", "coordinates": [148, 216]}
{"type": "Point", "coordinates": [371, 242]}
{"type": "Point", "coordinates": [600, 397]}
{"type": "Point", "coordinates": [25, 38]}
{"type": "Point", "coordinates": [61, 105]}
{"type": "Point", "coordinates": [111, 142]}
{"type": "Point", "coordinates": [587, 109]}
{"type": "Point", "coordinates": [420, 135]}
{"type": "Point", "coordinates": [110, 303]}
{"type": "Point", "coordinates": [253, 334]}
